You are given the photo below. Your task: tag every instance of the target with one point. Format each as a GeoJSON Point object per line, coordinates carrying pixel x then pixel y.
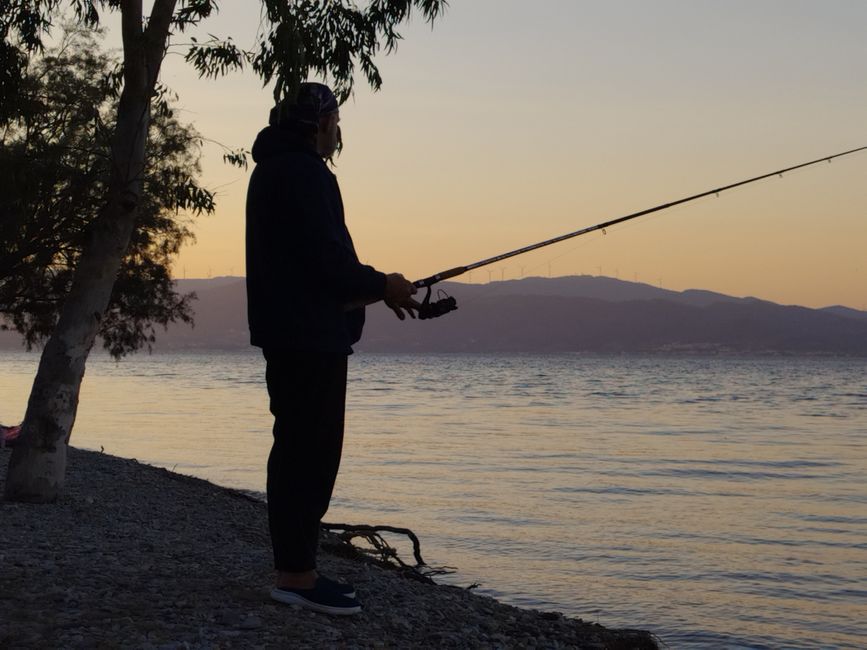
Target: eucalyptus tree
{"type": "Point", "coordinates": [54, 169]}
{"type": "Point", "coordinates": [332, 39]}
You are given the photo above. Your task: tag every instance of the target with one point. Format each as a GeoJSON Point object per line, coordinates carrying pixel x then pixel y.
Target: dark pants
{"type": "Point", "coordinates": [308, 398]}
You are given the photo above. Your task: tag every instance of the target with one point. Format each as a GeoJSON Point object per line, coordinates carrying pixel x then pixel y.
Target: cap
{"type": "Point", "coordinates": [313, 101]}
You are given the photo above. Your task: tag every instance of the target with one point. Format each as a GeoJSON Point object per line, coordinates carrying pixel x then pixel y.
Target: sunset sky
{"type": "Point", "coordinates": [511, 122]}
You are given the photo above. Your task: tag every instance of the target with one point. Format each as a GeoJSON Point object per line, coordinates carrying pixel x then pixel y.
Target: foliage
{"type": "Point", "coordinates": [297, 39]}
{"type": "Point", "coordinates": [314, 37]}
{"type": "Point", "coordinates": [54, 173]}
{"type": "Point", "coordinates": [57, 117]}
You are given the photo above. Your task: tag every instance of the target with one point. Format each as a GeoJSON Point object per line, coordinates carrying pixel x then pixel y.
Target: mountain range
{"type": "Point", "coordinates": [578, 314]}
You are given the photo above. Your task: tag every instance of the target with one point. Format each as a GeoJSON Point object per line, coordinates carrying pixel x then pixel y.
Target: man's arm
{"type": "Point", "coordinates": [336, 262]}
{"type": "Point", "coordinates": [323, 243]}
{"type": "Point", "coordinates": [398, 297]}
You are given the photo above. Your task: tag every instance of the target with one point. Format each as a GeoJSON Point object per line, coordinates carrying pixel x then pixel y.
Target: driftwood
{"type": "Point", "coordinates": [339, 538]}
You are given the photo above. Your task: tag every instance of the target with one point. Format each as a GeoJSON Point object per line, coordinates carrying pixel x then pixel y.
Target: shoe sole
{"type": "Point", "coordinates": [290, 598]}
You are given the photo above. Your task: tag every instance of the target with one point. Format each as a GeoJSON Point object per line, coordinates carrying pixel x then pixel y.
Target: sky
{"type": "Point", "coordinates": [512, 122]}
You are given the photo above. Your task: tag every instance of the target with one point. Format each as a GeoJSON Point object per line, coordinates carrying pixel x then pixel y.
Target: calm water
{"type": "Point", "coordinates": [718, 502]}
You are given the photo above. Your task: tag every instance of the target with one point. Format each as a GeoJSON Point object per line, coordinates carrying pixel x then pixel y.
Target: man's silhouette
{"type": "Point", "coordinates": [306, 292]}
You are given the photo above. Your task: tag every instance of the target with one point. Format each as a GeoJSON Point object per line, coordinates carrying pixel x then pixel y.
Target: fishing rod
{"type": "Point", "coordinates": [446, 304]}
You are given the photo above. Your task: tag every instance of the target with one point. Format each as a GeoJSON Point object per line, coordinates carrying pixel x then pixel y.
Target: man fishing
{"type": "Point", "coordinates": [306, 291]}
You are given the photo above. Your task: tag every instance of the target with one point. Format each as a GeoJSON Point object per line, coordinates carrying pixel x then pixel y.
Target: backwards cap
{"type": "Point", "coordinates": [313, 101]}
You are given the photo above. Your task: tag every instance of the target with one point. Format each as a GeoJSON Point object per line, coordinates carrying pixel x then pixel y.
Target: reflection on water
{"type": "Point", "coordinates": [719, 502]}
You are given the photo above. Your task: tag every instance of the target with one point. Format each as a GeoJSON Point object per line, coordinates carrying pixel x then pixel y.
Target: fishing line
{"type": "Point", "coordinates": [678, 209]}
{"type": "Point", "coordinates": [446, 303]}
{"type": "Point", "coordinates": [500, 288]}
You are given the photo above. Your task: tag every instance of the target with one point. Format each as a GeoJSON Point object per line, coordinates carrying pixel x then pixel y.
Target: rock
{"type": "Point", "coordinates": [251, 623]}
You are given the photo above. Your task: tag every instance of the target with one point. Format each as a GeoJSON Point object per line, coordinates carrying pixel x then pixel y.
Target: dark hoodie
{"type": "Point", "coordinates": [301, 265]}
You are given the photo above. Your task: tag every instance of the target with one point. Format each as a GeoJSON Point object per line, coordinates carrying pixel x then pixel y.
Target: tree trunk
{"type": "Point", "coordinates": [37, 468]}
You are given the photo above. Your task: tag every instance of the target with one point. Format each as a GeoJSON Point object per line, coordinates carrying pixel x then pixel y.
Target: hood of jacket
{"type": "Point", "coordinates": [274, 141]}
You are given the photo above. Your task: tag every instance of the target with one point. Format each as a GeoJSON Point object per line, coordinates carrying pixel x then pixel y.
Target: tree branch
{"type": "Point", "coordinates": [156, 36]}
{"type": "Point", "coordinates": [382, 551]}
{"type": "Point", "coordinates": [131, 29]}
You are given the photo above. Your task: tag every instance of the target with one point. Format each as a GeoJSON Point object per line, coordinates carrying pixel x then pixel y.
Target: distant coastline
{"type": "Point", "coordinates": [575, 314]}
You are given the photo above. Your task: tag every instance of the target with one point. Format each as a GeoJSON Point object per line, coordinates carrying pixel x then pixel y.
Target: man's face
{"type": "Point", "coordinates": [328, 135]}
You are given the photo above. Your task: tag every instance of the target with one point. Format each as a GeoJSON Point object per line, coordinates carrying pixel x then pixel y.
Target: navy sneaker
{"type": "Point", "coordinates": [342, 588]}
{"type": "Point", "coordinates": [321, 598]}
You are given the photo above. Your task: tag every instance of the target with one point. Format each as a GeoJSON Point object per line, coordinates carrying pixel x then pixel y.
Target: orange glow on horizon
{"type": "Point", "coordinates": [475, 147]}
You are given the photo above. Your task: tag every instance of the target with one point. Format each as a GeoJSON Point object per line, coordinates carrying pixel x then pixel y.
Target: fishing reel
{"type": "Point", "coordinates": [437, 308]}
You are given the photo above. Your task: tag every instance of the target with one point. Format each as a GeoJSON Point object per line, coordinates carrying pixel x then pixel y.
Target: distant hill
{"type": "Point", "coordinates": [205, 284]}
{"type": "Point", "coordinates": [589, 286]}
{"type": "Point", "coordinates": [839, 310]}
{"type": "Point", "coordinates": [584, 314]}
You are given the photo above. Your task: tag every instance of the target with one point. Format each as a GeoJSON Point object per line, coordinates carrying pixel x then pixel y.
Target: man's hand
{"type": "Point", "coordinates": [398, 295]}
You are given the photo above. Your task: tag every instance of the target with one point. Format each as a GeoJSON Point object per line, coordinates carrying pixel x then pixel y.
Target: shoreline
{"type": "Point", "coordinates": [139, 556]}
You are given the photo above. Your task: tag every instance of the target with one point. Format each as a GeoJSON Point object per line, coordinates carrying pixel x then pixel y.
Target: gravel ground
{"type": "Point", "coordinates": [137, 556]}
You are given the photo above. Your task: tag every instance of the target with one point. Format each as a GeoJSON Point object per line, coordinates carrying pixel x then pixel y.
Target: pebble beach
{"type": "Point", "coordinates": [137, 556]}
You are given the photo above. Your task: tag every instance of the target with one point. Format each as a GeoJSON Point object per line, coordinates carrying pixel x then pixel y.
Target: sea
{"type": "Point", "coordinates": [717, 502]}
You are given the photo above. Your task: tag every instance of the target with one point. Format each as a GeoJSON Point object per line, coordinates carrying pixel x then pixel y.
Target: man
{"type": "Point", "coordinates": [306, 292]}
